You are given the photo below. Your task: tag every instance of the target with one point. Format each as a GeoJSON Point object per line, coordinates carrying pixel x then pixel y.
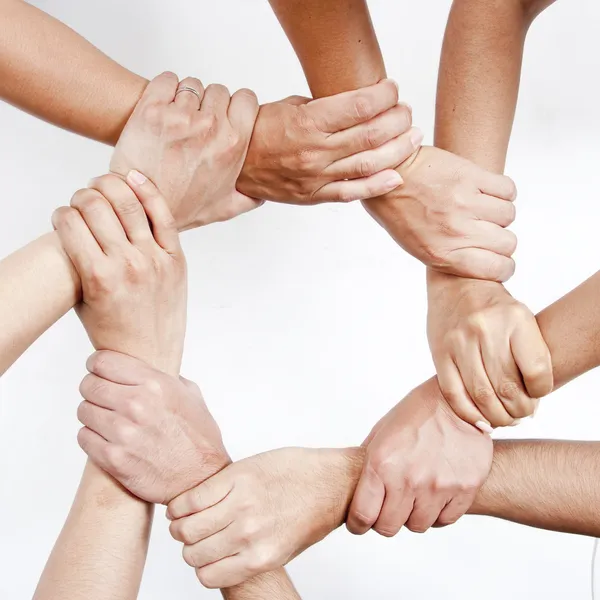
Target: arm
{"type": "Point", "coordinates": [60, 77]}
{"type": "Point", "coordinates": [38, 285]}
{"type": "Point", "coordinates": [544, 483]}
{"type": "Point", "coordinates": [479, 77]}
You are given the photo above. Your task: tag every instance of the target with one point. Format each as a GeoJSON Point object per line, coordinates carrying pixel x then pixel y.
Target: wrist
{"type": "Point", "coordinates": [489, 499]}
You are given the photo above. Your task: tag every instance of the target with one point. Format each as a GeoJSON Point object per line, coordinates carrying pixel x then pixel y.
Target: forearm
{"type": "Point", "coordinates": [571, 329]}
{"type": "Point", "coordinates": [334, 41]}
{"type": "Point", "coordinates": [479, 77]}
{"type": "Point", "coordinates": [275, 585]}
{"type": "Point", "coordinates": [102, 548]}
{"type": "Point", "coordinates": [544, 483]}
{"type": "Point", "coordinates": [53, 73]}
{"type": "Point", "coordinates": [38, 285]}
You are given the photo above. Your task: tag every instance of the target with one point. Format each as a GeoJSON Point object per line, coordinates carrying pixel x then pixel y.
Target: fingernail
{"type": "Point", "coordinates": [136, 177]}
{"type": "Point", "coordinates": [394, 181]}
{"type": "Point", "coordinates": [535, 409]}
{"type": "Point", "coordinates": [515, 422]}
{"type": "Point", "coordinates": [407, 106]}
{"type": "Point", "coordinates": [416, 136]}
{"type": "Point", "coordinates": [168, 515]}
{"type": "Point", "coordinates": [485, 427]}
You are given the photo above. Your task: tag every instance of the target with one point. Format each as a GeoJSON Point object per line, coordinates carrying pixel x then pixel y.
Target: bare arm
{"type": "Point", "coordinates": [38, 285]}
{"type": "Point", "coordinates": [479, 77]}
{"type": "Point", "coordinates": [49, 84]}
{"type": "Point", "coordinates": [335, 43]}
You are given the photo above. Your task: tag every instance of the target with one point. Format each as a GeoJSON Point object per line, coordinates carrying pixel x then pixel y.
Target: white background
{"type": "Point", "coordinates": [307, 325]}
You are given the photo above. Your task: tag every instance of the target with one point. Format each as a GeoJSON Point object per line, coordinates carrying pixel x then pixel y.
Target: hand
{"type": "Point", "coordinates": [150, 431]}
{"type": "Point", "coordinates": [334, 149]}
{"type": "Point", "coordinates": [193, 153]}
{"type": "Point", "coordinates": [259, 513]}
{"type": "Point", "coordinates": [491, 359]}
{"type": "Point", "coordinates": [451, 214]}
{"type": "Point", "coordinates": [133, 277]}
{"type": "Point", "coordinates": [424, 466]}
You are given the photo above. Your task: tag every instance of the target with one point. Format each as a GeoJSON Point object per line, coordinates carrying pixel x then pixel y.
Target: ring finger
{"type": "Point", "coordinates": [189, 94]}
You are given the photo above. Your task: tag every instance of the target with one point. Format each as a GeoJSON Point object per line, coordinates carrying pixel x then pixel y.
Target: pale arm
{"type": "Point", "coordinates": [479, 77]}
{"type": "Point", "coordinates": [53, 73]}
{"type": "Point", "coordinates": [38, 285]}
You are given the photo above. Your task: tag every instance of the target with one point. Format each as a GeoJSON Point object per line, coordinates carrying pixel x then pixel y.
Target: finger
{"type": "Point", "coordinates": [500, 212]}
{"type": "Point", "coordinates": [456, 395]}
{"type": "Point", "coordinates": [533, 359]}
{"type": "Point", "coordinates": [126, 206]}
{"type": "Point", "coordinates": [359, 189]}
{"type": "Point", "coordinates": [225, 573]}
{"type": "Point", "coordinates": [219, 546]}
{"type": "Point", "coordinates": [475, 378]}
{"type": "Point", "coordinates": [364, 164]}
{"type": "Point", "coordinates": [99, 420]}
{"type": "Point", "coordinates": [95, 446]}
{"type": "Point", "coordinates": [101, 220]}
{"type": "Point", "coordinates": [426, 512]}
{"type": "Point", "coordinates": [477, 263]}
{"type": "Point", "coordinates": [345, 110]}
{"type": "Point", "coordinates": [242, 113]}
{"type": "Point", "coordinates": [296, 100]}
{"type": "Point", "coordinates": [367, 502]}
{"type": "Point", "coordinates": [455, 509]}
{"type": "Point", "coordinates": [161, 90]}
{"type": "Point", "coordinates": [119, 368]}
{"type": "Point", "coordinates": [164, 229]}
{"type": "Point", "coordinates": [203, 496]}
{"type": "Point", "coordinates": [492, 237]}
{"type": "Point", "coordinates": [77, 240]}
{"type": "Point", "coordinates": [216, 102]}
{"type": "Point", "coordinates": [506, 378]}
{"type": "Point", "coordinates": [189, 94]}
{"type": "Point", "coordinates": [499, 186]}
{"type": "Point", "coordinates": [396, 510]}
{"type": "Point", "coordinates": [201, 525]}
{"type": "Point", "coordinates": [375, 132]}
{"type": "Point", "coordinates": [102, 392]}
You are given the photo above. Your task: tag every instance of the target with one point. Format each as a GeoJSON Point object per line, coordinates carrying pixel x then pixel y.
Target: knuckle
{"type": "Point", "coordinates": [188, 555]}
{"type": "Point", "coordinates": [88, 200]}
{"type": "Point", "coordinates": [137, 410]}
{"type": "Point", "coordinates": [371, 137]}
{"type": "Point", "coordinates": [388, 531]}
{"type": "Point", "coordinates": [153, 388]}
{"type": "Point", "coordinates": [126, 432]}
{"type": "Point", "coordinates": [510, 389]}
{"type": "Point", "coordinates": [115, 457]}
{"type": "Point", "coordinates": [249, 530]}
{"type": "Point", "coordinates": [483, 396]}
{"type": "Point", "coordinates": [367, 167]}
{"type": "Point", "coordinates": [362, 108]}
{"type": "Point", "coordinates": [207, 579]}
{"type": "Point", "coordinates": [263, 559]}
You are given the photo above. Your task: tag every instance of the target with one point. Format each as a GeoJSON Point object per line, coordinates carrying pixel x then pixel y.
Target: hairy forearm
{"type": "Point", "coordinates": [275, 585]}
{"type": "Point", "coordinates": [53, 73]}
{"type": "Point", "coordinates": [38, 285]}
{"type": "Point", "coordinates": [544, 483]}
{"type": "Point", "coordinates": [334, 41]}
{"type": "Point", "coordinates": [102, 548]}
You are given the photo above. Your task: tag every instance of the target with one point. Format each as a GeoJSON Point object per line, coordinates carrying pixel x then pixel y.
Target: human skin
{"type": "Point", "coordinates": [102, 547]}
{"type": "Point", "coordinates": [352, 64]}
{"type": "Point", "coordinates": [291, 157]}
{"type": "Point", "coordinates": [262, 511]}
